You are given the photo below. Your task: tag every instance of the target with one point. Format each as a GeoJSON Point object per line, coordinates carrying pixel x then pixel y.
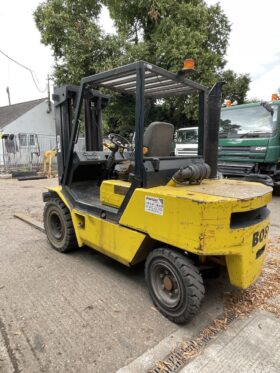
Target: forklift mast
{"type": "Point", "coordinates": [65, 99]}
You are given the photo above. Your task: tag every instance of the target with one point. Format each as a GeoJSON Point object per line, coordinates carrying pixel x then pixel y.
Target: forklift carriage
{"type": "Point", "coordinates": [139, 203]}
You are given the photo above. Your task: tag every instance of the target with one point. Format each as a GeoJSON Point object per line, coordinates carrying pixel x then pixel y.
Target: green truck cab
{"type": "Point", "coordinates": [249, 143]}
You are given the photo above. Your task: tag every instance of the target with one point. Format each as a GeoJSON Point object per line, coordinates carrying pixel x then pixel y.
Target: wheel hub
{"type": "Point", "coordinates": [168, 283]}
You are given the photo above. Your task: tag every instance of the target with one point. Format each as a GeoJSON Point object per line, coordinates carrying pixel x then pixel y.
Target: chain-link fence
{"type": "Point", "coordinates": [26, 151]}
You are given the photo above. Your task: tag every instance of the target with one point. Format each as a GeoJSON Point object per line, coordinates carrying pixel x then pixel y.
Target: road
{"type": "Point", "coordinates": [80, 312]}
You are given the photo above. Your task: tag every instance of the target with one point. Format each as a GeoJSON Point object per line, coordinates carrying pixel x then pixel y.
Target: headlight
{"type": "Point", "coordinates": [258, 149]}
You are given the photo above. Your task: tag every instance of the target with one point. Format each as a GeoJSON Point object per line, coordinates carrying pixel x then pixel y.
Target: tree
{"type": "Point", "coordinates": [173, 30]}
{"type": "Point", "coordinates": [71, 29]}
{"type": "Point", "coordinates": [163, 32]}
{"type": "Point", "coordinates": [168, 31]}
{"type": "Point", "coordinates": [236, 86]}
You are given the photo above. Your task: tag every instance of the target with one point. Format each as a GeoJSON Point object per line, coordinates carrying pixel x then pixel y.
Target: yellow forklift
{"type": "Point", "coordinates": [140, 203]}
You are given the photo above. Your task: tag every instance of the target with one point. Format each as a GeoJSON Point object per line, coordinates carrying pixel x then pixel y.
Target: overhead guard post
{"type": "Point", "coordinates": [212, 128]}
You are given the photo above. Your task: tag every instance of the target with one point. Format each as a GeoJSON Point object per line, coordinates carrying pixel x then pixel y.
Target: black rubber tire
{"type": "Point", "coordinates": [276, 190]}
{"type": "Point", "coordinates": [187, 277]}
{"type": "Point", "coordinates": [62, 239]}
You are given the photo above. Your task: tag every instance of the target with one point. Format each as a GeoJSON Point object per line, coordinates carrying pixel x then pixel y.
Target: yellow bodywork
{"type": "Point", "coordinates": [194, 218]}
{"type": "Point", "coordinates": [112, 192]}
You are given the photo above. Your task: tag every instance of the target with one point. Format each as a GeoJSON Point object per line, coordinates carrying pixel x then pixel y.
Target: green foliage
{"type": "Point", "coordinates": [173, 30]}
{"type": "Point", "coordinates": [119, 115]}
{"type": "Point", "coordinates": [236, 86]}
{"type": "Point", "coordinates": [80, 47]}
{"type": "Point", "coordinates": [164, 32]}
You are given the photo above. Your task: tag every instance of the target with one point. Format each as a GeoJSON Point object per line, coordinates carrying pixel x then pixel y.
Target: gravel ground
{"type": "Point", "coordinates": [80, 312]}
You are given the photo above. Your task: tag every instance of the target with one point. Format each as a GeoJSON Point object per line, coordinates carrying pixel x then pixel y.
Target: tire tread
{"type": "Point", "coordinates": [191, 277]}
{"type": "Point", "coordinates": [70, 240]}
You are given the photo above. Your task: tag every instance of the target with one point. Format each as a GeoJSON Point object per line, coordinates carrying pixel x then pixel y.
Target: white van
{"type": "Point", "coordinates": [186, 141]}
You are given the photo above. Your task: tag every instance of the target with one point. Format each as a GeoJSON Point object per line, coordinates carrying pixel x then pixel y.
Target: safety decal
{"type": "Point", "coordinates": [154, 205]}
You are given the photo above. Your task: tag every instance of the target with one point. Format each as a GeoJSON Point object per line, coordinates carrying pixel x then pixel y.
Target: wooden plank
{"type": "Point", "coordinates": [31, 221]}
{"type": "Point", "coordinates": [16, 174]}
{"type": "Point", "coordinates": [31, 177]}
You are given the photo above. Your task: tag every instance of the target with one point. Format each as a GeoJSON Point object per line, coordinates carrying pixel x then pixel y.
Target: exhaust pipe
{"type": "Point", "coordinates": [193, 173]}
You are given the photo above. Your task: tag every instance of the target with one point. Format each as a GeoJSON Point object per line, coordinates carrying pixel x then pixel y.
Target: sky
{"type": "Point", "coordinates": [254, 47]}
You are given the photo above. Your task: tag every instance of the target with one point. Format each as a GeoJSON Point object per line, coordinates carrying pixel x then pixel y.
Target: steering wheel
{"type": "Point", "coordinates": [119, 141]}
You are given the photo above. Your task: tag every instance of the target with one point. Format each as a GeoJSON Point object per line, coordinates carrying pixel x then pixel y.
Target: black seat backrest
{"type": "Point", "coordinates": [158, 138]}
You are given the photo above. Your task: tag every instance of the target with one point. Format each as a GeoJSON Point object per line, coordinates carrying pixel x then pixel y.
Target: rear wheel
{"type": "Point", "coordinates": [174, 283]}
{"type": "Point", "coordinates": [276, 190]}
{"type": "Point", "coordinates": [58, 226]}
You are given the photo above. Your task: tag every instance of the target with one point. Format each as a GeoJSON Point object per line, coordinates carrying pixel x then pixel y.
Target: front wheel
{"type": "Point", "coordinates": [174, 283]}
{"type": "Point", "coordinates": [58, 226]}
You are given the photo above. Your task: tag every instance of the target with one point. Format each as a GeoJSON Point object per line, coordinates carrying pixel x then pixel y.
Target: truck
{"type": "Point", "coordinates": [249, 143]}
{"type": "Point", "coordinates": [186, 141]}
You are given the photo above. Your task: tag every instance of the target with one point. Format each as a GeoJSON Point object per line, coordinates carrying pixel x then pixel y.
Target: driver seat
{"type": "Point", "coordinates": [158, 139]}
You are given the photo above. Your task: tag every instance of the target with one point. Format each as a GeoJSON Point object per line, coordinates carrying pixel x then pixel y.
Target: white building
{"type": "Point", "coordinates": [27, 130]}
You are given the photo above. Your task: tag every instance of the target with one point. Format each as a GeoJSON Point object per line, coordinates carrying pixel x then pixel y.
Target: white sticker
{"type": "Point", "coordinates": [154, 205]}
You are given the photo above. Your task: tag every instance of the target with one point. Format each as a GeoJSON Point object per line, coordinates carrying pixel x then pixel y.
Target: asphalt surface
{"type": "Point", "coordinates": [80, 312]}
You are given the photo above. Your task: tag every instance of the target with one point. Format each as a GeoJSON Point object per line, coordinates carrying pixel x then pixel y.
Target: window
{"type": "Point", "coordinates": [252, 121]}
{"type": "Point", "coordinates": [22, 137]}
{"type": "Point", "coordinates": [187, 136]}
{"type": "Point", "coordinates": [31, 140]}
